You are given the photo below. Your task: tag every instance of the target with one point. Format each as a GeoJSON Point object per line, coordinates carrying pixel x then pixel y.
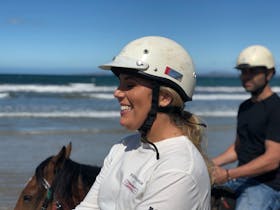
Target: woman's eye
{"type": "Point", "coordinates": [129, 86]}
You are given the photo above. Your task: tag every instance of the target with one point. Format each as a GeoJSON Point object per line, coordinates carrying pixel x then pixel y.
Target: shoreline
{"type": "Point", "coordinates": [22, 151]}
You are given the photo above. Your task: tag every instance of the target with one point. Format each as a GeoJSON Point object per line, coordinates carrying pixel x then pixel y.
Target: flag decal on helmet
{"type": "Point", "coordinates": [173, 73]}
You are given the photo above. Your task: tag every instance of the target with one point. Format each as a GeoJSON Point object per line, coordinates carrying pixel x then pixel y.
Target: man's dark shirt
{"type": "Point", "coordinates": [258, 122]}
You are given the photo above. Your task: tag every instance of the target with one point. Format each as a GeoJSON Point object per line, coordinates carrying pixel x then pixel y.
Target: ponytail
{"type": "Point", "coordinates": [191, 125]}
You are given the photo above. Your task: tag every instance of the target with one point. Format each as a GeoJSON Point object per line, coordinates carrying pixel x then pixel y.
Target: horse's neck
{"type": "Point", "coordinates": [72, 182]}
{"type": "Point", "coordinates": [69, 186]}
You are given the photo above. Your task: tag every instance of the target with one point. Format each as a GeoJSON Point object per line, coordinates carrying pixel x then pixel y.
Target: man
{"type": "Point", "coordinates": [256, 179]}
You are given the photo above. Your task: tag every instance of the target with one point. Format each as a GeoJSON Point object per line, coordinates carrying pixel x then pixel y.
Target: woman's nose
{"type": "Point", "coordinates": [118, 93]}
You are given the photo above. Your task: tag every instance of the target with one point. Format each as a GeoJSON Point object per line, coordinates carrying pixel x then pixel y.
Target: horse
{"type": "Point", "coordinates": [222, 198]}
{"type": "Point", "coordinates": [59, 183]}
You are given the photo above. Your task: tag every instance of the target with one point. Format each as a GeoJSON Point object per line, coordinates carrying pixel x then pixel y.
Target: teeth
{"type": "Point", "coordinates": [125, 108]}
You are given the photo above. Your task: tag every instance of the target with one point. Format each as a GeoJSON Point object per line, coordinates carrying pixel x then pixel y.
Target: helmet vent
{"type": "Point", "coordinates": [146, 51]}
{"type": "Point", "coordinates": [142, 64]}
{"type": "Point", "coordinates": [139, 63]}
{"type": "Point", "coordinates": [194, 75]}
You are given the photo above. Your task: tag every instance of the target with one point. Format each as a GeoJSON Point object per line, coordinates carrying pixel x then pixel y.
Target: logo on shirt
{"type": "Point", "coordinates": [132, 183]}
{"type": "Point", "coordinates": [130, 186]}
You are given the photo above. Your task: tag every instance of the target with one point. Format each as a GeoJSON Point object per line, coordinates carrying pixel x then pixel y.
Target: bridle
{"type": "Point", "coordinates": [49, 197]}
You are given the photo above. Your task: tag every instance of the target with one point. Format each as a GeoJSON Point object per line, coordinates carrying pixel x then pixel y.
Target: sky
{"type": "Point", "coordinates": [75, 36]}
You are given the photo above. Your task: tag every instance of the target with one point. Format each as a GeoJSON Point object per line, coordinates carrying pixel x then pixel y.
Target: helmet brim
{"type": "Point", "coordinates": [125, 62]}
{"type": "Point", "coordinates": [248, 66]}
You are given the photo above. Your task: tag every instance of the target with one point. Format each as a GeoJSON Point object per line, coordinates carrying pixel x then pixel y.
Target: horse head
{"type": "Point", "coordinates": [58, 183]}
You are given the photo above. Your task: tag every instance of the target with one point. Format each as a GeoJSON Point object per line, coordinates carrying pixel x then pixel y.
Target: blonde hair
{"type": "Point", "coordinates": [190, 124]}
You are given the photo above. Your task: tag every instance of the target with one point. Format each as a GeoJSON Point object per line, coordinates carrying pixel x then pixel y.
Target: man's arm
{"type": "Point", "coordinates": [268, 161]}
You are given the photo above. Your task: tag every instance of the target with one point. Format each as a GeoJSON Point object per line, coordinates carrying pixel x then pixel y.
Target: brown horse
{"type": "Point", "coordinates": [222, 198]}
{"type": "Point", "coordinates": [61, 184]}
{"type": "Point", "coordinates": [58, 184]}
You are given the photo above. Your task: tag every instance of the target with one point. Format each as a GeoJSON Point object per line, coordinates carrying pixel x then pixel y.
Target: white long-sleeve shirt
{"type": "Point", "coordinates": [133, 179]}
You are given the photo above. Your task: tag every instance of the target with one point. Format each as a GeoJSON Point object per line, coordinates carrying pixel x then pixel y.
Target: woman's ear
{"type": "Point", "coordinates": [164, 99]}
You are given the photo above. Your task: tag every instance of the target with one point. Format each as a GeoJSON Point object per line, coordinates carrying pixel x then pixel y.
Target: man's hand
{"type": "Point", "coordinates": [220, 175]}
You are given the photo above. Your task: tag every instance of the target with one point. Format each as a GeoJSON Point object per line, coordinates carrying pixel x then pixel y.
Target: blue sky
{"type": "Point", "coordinates": [75, 36]}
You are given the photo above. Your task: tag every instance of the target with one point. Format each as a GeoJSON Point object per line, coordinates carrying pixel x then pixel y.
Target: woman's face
{"type": "Point", "coordinates": [134, 95]}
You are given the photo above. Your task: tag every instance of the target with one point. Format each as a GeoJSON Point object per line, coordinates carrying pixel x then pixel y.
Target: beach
{"type": "Point", "coordinates": [40, 114]}
{"type": "Point", "coordinates": [22, 151]}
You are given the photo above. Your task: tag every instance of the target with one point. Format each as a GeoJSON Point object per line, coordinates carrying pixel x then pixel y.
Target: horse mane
{"type": "Point", "coordinates": [39, 172]}
{"type": "Point", "coordinates": [69, 178]}
{"type": "Point", "coordinates": [72, 174]}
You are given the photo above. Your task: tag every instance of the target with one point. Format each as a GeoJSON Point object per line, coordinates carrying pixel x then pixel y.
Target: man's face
{"type": "Point", "coordinates": [253, 78]}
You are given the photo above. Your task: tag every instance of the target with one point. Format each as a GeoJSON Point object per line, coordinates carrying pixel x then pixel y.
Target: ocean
{"type": "Point", "coordinates": [41, 113]}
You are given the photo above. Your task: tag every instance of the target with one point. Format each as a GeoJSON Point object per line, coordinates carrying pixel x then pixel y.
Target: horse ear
{"type": "Point", "coordinates": [60, 157]}
{"type": "Point", "coordinates": [63, 154]}
{"type": "Point", "coordinates": [55, 164]}
{"type": "Point", "coordinates": [68, 150]}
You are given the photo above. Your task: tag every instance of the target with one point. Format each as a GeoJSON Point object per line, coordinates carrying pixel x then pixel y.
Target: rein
{"type": "Point", "coordinates": [49, 197]}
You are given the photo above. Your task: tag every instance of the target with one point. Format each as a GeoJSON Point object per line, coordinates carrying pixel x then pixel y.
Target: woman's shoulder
{"type": "Point", "coordinates": [126, 143]}
{"type": "Point", "coordinates": [180, 153]}
{"type": "Point", "coordinates": [180, 145]}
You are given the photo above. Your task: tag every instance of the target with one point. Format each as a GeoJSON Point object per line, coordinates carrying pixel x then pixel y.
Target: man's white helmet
{"type": "Point", "coordinates": [161, 59]}
{"type": "Point", "coordinates": [255, 56]}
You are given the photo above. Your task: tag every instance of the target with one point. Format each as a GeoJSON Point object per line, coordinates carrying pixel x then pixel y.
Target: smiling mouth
{"type": "Point", "coordinates": [125, 108]}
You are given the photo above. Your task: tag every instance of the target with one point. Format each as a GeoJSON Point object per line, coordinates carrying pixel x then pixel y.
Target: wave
{"type": "Point", "coordinates": [227, 89]}
{"type": "Point", "coordinates": [4, 95]}
{"type": "Point", "coordinates": [90, 114]}
{"type": "Point", "coordinates": [276, 89]}
{"type": "Point", "coordinates": [99, 114]}
{"type": "Point", "coordinates": [196, 97]}
{"type": "Point", "coordinates": [91, 87]}
{"type": "Point", "coordinates": [216, 113]}
{"type": "Point", "coordinates": [220, 96]}
{"type": "Point", "coordinates": [100, 95]}
{"type": "Point", "coordinates": [71, 88]}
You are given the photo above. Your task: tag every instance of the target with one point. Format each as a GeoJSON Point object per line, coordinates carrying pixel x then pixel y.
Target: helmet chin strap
{"type": "Point", "coordinates": [146, 126]}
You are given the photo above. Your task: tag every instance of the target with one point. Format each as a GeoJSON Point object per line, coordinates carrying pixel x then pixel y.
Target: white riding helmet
{"type": "Point", "coordinates": [161, 59]}
{"type": "Point", "coordinates": [255, 56]}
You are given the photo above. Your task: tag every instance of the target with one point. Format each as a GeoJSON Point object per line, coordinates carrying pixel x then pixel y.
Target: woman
{"type": "Point", "coordinates": [161, 166]}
